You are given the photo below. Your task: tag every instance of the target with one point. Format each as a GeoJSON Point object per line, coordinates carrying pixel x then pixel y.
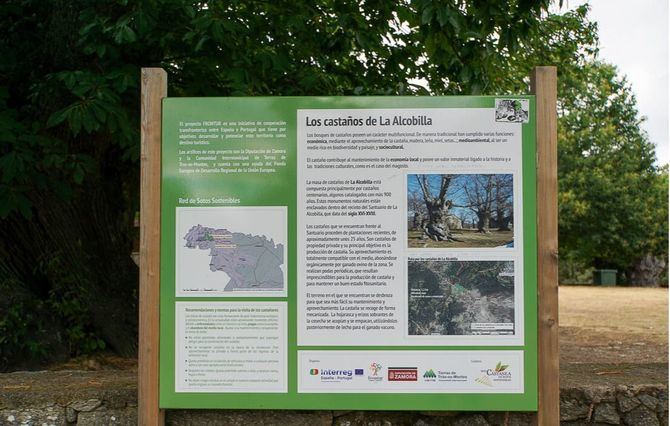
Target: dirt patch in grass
{"type": "Point", "coordinates": [579, 374]}
{"type": "Point", "coordinates": [467, 237]}
{"type": "Point", "coordinates": [620, 325]}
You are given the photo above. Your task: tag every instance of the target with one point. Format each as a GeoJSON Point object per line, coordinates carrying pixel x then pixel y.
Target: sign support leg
{"type": "Point", "coordinates": [154, 89]}
{"type": "Point", "coordinates": [543, 85]}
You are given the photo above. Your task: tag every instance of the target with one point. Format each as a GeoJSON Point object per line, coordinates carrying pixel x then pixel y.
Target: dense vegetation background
{"type": "Point", "coordinates": [69, 120]}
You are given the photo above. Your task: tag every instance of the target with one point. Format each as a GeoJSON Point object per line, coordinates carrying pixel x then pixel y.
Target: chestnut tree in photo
{"type": "Point", "coordinates": [489, 194]}
{"type": "Point", "coordinates": [437, 207]}
{"type": "Point", "coordinates": [503, 201]}
{"type": "Point", "coordinates": [479, 191]}
{"type": "Point", "coordinates": [417, 207]}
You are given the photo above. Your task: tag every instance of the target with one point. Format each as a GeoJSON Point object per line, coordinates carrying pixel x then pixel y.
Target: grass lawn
{"type": "Point", "coordinates": [613, 324]}
{"type": "Point", "coordinates": [467, 237]}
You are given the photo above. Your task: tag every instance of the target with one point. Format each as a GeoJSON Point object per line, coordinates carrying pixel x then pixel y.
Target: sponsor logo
{"type": "Point", "coordinates": [375, 368]}
{"type": "Point", "coordinates": [484, 381]}
{"type": "Point", "coordinates": [332, 375]}
{"type": "Point", "coordinates": [327, 372]}
{"type": "Point", "coordinates": [500, 373]}
{"type": "Point", "coordinates": [450, 376]}
{"type": "Point", "coordinates": [359, 371]}
{"type": "Point", "coordinates": [402, 374]}
{"type": "Point", "coordinates": [429, 374]}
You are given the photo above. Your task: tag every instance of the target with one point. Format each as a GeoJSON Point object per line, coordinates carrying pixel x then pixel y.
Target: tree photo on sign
{"type": "Point", "coordinates": [460, 210]}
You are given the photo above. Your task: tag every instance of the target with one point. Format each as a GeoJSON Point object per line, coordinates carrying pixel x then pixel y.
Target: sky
{"type": "Point", "coordinates": [634, 37]}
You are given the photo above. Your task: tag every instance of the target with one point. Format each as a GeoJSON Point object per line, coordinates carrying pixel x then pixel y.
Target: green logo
{"type": "Point", "coordinates": [430, 374]}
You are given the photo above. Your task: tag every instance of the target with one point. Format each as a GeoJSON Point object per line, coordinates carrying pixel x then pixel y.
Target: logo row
{"type": "Point", "coordinates": [499, 373]}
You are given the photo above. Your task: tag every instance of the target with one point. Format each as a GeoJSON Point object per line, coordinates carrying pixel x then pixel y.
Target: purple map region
{"type": "Point", "coordinates": [252, 262]}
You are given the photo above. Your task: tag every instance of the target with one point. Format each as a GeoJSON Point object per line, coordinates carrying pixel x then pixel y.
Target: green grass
{"type": "Point", "coordinates": [467, 237]}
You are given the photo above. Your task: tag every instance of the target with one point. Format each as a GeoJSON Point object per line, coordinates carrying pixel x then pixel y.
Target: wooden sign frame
{"type": "Point", "coordinates": [154, 89]}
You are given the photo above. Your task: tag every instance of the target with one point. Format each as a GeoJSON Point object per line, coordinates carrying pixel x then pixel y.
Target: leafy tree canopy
{"type": "Point", "coordinates": [613, 207]}
{"type": "Point", "coordinates": [69, 109]}
{"type": "Point", "coordinates": [612, 202]}
{"type": "Point", "coordinates": [69, 120]}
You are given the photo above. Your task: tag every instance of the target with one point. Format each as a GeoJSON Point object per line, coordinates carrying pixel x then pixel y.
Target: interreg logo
{"type": "Point", "coordinates": [329, 372]}
{"type": "Point", "coordinates": [375, 368]}
{"type": "Point", "coordinates": [313, 372]}
{"type": "Point", "coordinates": [328, 375]}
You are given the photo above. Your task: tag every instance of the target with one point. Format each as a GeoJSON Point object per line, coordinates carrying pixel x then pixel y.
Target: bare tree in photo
{"type": "Point", "coordinates": [470, 209]}
{"type": "Point", "coordinates": [481, 197]}
{"type": "Point", "coordinates": [463, 216]}
{"type": "Point", "coordinates": [503, 201]}
{"type": "Point", "coordinates": [416, 206]}
{"type": "Point", "coordinates": [437, 208]}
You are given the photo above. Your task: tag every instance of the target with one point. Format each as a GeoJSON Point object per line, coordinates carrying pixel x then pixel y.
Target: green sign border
{"type": "Point", "coordinates": [281, 190]}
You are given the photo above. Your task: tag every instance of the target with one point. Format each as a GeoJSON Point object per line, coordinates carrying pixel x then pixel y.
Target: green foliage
{"type": "Point", "coordinates": [69, 108]}
{"type": "Point", "coordinates": [610, 189]}
{"type": "Point", "coordinates": [71, 69]}
{"type": "Point", "coordinates": [69, 121]}
{"type": "Point", "coordinates": [21, 327]}
{"type": "Point", "coordinates": [567, 41]}
{"type": "Point", "coordinates": [66, 301]}
{"type": "Point", "coordinates": [36, 327]}
{"type": "Point", "coordinates": [30, 160]}
{"type": "Point", "coordinates": [612, 197]}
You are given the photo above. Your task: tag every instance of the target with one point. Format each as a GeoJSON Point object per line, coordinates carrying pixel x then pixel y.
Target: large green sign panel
{"type": "Point", "coordinates": [374, 253]}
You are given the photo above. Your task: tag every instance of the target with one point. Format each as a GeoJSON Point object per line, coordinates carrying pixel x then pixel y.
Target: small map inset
{"type": "Point", "coordinates": [251, 261]}
{"type": "Point", "coordinates": [230, 251]}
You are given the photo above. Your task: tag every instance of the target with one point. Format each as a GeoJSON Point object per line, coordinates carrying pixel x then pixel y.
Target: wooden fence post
{"type": "Point", "coordinates": [154, 89]}
{"type": "Point", "coordinates": [543, 85]}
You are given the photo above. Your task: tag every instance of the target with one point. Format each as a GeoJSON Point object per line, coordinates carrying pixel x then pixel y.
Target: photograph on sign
{"type": "Point", "coordinates": [460, 210]}
{"type": "Point", "coordinates": [460, 297]}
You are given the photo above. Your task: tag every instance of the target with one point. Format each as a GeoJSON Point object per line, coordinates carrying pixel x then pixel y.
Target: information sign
{"type": "Point", "coordinates": [370, 253]}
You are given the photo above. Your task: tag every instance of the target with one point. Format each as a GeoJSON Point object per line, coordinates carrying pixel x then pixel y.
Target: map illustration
{"type": "Point", "coordinates": [457, 298]}
{"type": "Point", "coordinates": [252, 262]}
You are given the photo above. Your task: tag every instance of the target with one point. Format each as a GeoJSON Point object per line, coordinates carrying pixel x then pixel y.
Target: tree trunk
{"type": "Point", "coordinates": [647, 271]}
{"type": "Point", "coordinates": [437, 228]}
{"type": "Point", "coordinates": [483, 224]}
{"type": "Point", "coordinates": [503, 222]}
{"type": "Point", "coordinates": [416, 222]}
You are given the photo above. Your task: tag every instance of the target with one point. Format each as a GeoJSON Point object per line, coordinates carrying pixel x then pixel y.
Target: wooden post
{"type": "Point", "coordinates": [543, 85]}
{"type": "Point", "coordinates": [154, 89]}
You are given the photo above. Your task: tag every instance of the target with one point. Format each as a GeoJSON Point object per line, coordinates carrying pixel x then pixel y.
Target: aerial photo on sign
{"type": "Point", "coordinates": [460, 297]}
